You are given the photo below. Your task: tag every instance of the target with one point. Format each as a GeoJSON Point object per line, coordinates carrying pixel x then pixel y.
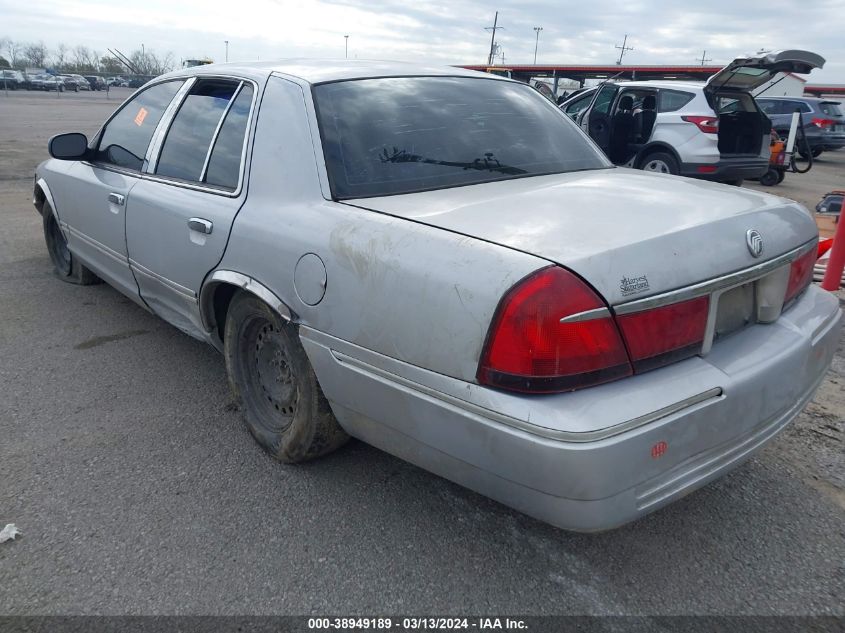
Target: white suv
{"type": "Point", "coordinates": [711, 130]}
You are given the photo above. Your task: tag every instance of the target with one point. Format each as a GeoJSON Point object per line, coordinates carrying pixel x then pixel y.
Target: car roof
{"type": "Point", "coordinates": [786, 98]}
{"type": "Point", "coordinates": [316, 71]}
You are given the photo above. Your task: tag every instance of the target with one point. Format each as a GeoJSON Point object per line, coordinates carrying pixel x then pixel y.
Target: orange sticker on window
{"type": "Point", "coordinates": [139, 118]}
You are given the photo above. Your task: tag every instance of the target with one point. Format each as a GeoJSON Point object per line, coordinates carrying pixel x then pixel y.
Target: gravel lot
{"type": "Point", "coordinates": [139, 491]}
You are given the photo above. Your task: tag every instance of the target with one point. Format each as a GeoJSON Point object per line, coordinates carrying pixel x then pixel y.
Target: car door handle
{"type": "Point", "coordinates": [200, 226]}
{"type": "Point", "coordinates": [116, 198]}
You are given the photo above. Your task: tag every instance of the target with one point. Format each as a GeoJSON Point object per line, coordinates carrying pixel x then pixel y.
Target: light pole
{"type": "Point", "coordinates": [537, 30]}
{"type": "Point", "coordinates": [226, 42]}
{"type": "Point", "coordinates": [346, 47]}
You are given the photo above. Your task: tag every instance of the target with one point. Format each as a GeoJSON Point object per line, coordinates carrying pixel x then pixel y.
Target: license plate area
{"type": "Point", "coordinates": [735, 310]}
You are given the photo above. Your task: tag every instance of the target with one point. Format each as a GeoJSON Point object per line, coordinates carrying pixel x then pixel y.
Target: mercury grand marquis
{"type": "Point", "coordinates": [441, 264]}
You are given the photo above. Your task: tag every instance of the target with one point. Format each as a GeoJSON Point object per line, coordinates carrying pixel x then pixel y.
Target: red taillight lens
{"type": "Point", "coordinates": [664, 335]}
{"type": "Point", "coordinates": [529, 349]}
{"type": "Point", "coordinates": [706, 169]}
{"type": "Point", "coordinates": [707, 124]}
{"type": "Point", "coordinates": [823, 123]}
{"type": "Point", "coordinates": [800, 274]}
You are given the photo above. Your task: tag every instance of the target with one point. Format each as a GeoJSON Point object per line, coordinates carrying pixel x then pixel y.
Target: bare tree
{"type": "Point", "coordinates": [35, 54]}
{"type": "Point", "coordinates": [81, 56]}
{"type": "Point", "coordinates": [109, 64]}
{"type": "Point", "coordinates": [148, 63]}
{"type": "Point", "coordinates": [13, 49]}
{"type": "Point", "coordinates": [60, 56]}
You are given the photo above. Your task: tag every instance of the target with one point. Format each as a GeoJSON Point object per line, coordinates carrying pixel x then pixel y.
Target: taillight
{"type": "Point", "coordinates": [666, 334]}
{"type": "Point", "coordinates": [800, 274]}
{"type": "Point", "coordinates": [530, 349]}
{"type": "Point", "coordinates": [707, 124]}
{"type": "Point", "coordinates": [823, 123]}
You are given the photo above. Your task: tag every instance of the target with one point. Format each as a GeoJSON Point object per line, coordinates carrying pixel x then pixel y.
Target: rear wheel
{"type": "Point", "coordinates": [67, 267]}
{"type": "Point", "coordinates": [781, 175]}
{"type": "Point", "coordinates": [273, 382]}
{"type": "Point", "coordinates": [660, 162]}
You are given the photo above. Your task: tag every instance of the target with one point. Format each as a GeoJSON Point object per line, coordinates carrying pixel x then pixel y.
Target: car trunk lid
{"type": "Point", "coordinates": [748, 73]}
{"type": "Point", "coordinates": [629, 234]}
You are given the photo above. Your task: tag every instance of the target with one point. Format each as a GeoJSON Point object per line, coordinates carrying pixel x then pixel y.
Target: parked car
{"type": "Point", "coordinates": [12, 80]}
{"type": "Point", "coordinates": [440, 263]}
{"type": "Point", "coordinates": [81, 82]}
{"type": "Point", "coordinates": [822, 120]}
{"type": "Point", "coordinates": [712, 130]}
{"type": "Point", "coordinates": [95, 82]}
{"type": "Point", "coordinates": [51, 83]}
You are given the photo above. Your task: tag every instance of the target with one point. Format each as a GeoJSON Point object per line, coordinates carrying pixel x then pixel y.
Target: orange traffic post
{"type": "Point", "coordinates": [836, 263]}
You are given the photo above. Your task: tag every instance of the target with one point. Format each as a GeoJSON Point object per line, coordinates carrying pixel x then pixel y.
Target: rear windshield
{"type": "Point", "coordinates": [405, 134]}
{"type": "Point", "coordinates": [831, 108]}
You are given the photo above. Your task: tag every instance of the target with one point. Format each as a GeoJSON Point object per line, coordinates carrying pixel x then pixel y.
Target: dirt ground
{"type": "Point", "coordinates": [139, 490]}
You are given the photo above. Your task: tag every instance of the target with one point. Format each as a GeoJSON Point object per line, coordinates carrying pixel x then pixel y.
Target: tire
{"type": "Point", "coordinates": [660, 162]}
{"type": "Point", "coordinates": [274, 385]}
{"type": "Point", "coordinates": [817, 152]}
{"type": "Point", "coordinates": [67, 267]}
{"type": "Point", "coordinates": [770, 178]}
{"type": "Point", "coordinates": [781, 175]}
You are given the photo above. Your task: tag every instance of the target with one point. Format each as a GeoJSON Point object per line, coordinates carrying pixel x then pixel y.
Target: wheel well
{"type": "Point", "coordinates": [655, 147]}
{"type": "Point", "coordinates": [39, 198]}
{"type": "Point", "coordinates": [221, 300]}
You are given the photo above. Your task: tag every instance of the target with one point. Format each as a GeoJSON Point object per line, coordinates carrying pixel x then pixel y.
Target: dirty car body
{"type": "Point", "coordinates": [477, 290]}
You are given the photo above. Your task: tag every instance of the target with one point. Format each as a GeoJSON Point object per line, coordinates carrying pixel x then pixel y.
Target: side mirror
{"type": "Point", "coordinates": [71, 146]}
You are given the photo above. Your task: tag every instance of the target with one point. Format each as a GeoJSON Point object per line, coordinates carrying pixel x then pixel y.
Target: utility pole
{"type": "Point", "coordinates": [704, 58]}
{"type": "Point", "coordinates": [622, 50]}
{"type": "Point", "coordinates": [537, 30]}
{"type": "Point", "coordinates": [226, 42]}
{"type": "Point", "coordinates": [346, 47]}
{"type": "Point", "coordinates": [493, 28]}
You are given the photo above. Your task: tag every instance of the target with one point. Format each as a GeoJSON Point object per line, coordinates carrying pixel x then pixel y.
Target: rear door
{"type": "Point", "coordinates": [179, 215]}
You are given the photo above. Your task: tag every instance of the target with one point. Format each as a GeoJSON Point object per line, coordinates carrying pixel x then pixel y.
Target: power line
{"type": "Point", "coordinates": [493, 28]}
{"type": "Point", "coordinates": [622, 50]}
{"type": "Point", "coordinates": [704, 58]}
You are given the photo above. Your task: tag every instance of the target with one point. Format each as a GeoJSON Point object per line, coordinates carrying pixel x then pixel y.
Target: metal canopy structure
{"type": "Point", "coordinates": [580, 73]}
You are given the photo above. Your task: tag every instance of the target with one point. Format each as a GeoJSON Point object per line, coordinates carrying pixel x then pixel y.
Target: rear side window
{"type": "Point", "coordinates": [671, 100]}
{"type": "Point", "coordinates": [769, 107]}
{"type": "Point", "coordinates": [791, 106]}
{"type": "Point", "coordinates": [831, 108]}
{"type": "Point", "coordinates": [126, 137]}
{"type": "Point", "coordinates": [193, 129]}
{"type": "Point", "coordinates": [576, 107]}
{"type": "Point", "coordinates": [224, 166]}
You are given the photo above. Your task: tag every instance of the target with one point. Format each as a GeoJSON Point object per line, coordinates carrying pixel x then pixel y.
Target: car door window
{"type": "Point", "coordinates": [576, 107]}
{"type": "Point", "coordinates": [604, 99]}
{"type": "Point", "coordinates": [224, 166]}
{"type": "Point", "coordinates": [769, 107]}
{"type": "Point", "coordinates": [193, 129]}
{"type": "Point", "coordinates": [124, 140]}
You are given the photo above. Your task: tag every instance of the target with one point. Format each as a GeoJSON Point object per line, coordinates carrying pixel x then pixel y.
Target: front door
{"type": "Point", "coordinates": [94, 194]}
{"type": "Point", "coordinates": [597, 120]}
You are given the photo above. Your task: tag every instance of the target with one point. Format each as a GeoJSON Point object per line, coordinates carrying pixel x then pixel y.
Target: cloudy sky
{"type": "Point", "coordinates": [447, 31]}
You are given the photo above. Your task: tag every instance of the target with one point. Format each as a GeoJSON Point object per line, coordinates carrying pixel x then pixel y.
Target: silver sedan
{"type": "Point", "coordinates": [440, 263]}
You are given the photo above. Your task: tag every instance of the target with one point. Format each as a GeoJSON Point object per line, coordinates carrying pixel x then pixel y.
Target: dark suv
{"type": "Point", "coordinates": [823, 121]}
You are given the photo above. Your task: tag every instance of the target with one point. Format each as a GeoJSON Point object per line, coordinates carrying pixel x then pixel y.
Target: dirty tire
{"type": "Point", "coordinates": [274, 385]}
{"type": "Point", "coordinates": [660, 162]}
{"type": "Point", "coordinates": [770, 178]}
{"type": "Point", "coordinates": [67, 267]}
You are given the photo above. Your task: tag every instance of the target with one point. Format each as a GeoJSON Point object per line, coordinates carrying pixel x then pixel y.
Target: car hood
{"type": "Point", "coordinates": [615, 225]}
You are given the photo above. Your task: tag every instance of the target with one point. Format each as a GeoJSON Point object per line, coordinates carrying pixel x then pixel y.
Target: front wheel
{"type": "Point", "coordinates": [770, 178]}
{"type": "Point", "coordinates": [273, 383]}
{"type": "Point", "coordinates": [67, 267]}
{"type": "Point", "coordinates": [660, 162]}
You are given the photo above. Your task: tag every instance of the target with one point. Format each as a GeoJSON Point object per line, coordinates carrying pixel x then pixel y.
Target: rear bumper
{"type": "Point", "coordinates": [727, 169]}
{"type": "Point", "coordinates": [726, 407]}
